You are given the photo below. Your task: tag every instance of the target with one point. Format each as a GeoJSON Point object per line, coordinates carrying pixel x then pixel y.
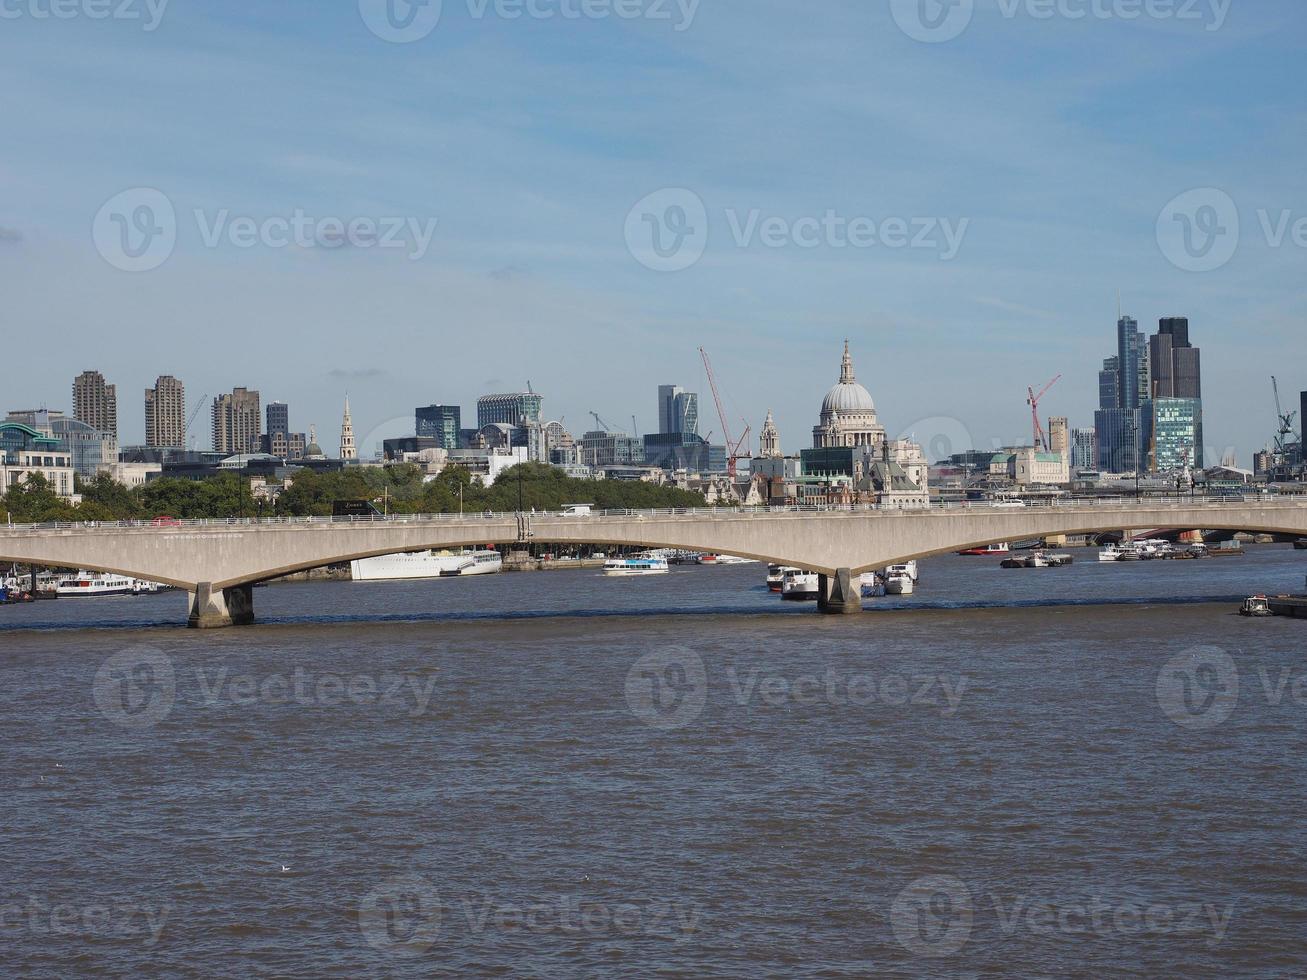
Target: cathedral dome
{"type": "Point", "coordinates": [847, 397]}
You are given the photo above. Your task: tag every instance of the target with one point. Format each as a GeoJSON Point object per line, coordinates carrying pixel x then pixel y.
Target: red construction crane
{"type": "Point", "coordinates": [1041, 440]}
{"type": "Point", "coordinates": [732, 448]}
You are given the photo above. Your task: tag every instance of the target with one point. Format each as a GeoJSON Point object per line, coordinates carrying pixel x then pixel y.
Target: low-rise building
{"type": "Point", "coordinates": [24, 451]}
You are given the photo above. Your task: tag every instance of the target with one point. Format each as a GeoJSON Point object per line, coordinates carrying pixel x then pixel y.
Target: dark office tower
{"type": "Point", "coordinates": [1173, 414]}
{"type": "Point", "coordinates": [1177, 328]}
{"type": "Point", "coordinates": [440, 422]}
{"type": "Point", "coordinates": [278, 418]}
{"type": "Point", "coordinates": [1132, 363]}
{"type": "Point", "coordinates": [1109, 384]}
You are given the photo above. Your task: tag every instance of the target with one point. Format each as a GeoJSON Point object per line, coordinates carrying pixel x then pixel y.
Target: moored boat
{"type": "Point", "coordinates": [800, 586]}
{"type": "Point", "coordinates": [426, 564]}
{"type": "Point", "coordinates": [95, 585]}
{"type": "Point", "coordinates": [899, 580]}
{"type": "Point", "coordinates": [775, 577]}
{"type": "Point", "coordinates": [999, 548]}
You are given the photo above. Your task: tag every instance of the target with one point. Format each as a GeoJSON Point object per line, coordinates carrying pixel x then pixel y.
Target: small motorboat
{"type": "Point", "coordinates": [1256, 605]}
{"type": "Point", "coordinates": [898, 581]}
{"type": "Point", "coordinates": [800, 586]}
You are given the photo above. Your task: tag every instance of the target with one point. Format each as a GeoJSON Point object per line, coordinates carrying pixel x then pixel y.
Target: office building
{"type": "Point", "coordinates": [279, 441]}
{"type": "Point", "coordinates": [165, 413]}
{"type": "Point", "coordinates": [237, 422]}
{"type": "Point", "coordinates": [25, 452]}
{"type": "Point", "coordinates": [1173, 414]}
{"type": "Point", "coordinates": [441, 423]}
{"type": "Point", "coordinates": [512, 409]}
{"type": "Point", "coordinates": [95, 402]}
{"type": "Point", "coordinates": [1083, 456]}
{"type": "Point", "coordinates": [610, 449]}
{"type": "Point", "coordinates": [678, 410]}
{"type": "Point", "coordinates": [1059, 437]}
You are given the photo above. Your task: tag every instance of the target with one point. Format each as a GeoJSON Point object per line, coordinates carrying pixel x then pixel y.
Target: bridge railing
{"type": "Point", "coordinates": [1172, 501]}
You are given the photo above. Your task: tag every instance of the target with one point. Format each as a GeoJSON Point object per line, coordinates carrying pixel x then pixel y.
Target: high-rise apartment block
{"type": "Point", "coordinates": [165, 414]}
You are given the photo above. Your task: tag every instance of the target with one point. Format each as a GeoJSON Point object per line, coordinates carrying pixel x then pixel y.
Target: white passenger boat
{"type": "Point", "coordinates": [725, 560]}
{"type": "Point", "coordinates": [800, 586]}
{"type": "Point", "coordinates": [775, 577]}
{"type": "Point", "coordinates": [426, 564]}
{"type": "Point", "coordinates": [95, 584]}
{"type": "Point", "coordinates": [636, 566]}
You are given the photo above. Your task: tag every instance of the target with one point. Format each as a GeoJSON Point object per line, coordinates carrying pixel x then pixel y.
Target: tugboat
{"type": "Point", "coordinates": [1256, 605]}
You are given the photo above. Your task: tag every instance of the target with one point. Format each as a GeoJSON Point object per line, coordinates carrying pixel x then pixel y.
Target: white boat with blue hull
{"type": "Point", "coordinates": [645, 565]}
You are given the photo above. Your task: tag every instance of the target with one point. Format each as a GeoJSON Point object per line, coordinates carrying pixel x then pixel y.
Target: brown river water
{"type": "Point", "coordinates": [1094, 770]}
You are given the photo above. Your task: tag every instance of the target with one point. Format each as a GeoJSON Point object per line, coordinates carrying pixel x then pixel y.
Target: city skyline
{"type": "Point", "coordinates": [936, 433]}
{"type": "Point", "coordinates": [538, 263]}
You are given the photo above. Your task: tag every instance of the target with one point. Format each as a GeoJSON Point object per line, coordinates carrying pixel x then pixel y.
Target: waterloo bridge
{"type": "Point", "coordinates": [219, 561]}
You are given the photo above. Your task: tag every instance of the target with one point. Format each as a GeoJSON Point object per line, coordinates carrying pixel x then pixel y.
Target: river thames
{"type": "Point", "coordinates": [1088, 770]}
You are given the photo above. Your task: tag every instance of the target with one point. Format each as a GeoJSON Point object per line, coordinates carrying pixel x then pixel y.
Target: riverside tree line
{"type": "Point", "coordinates": [399, 489]}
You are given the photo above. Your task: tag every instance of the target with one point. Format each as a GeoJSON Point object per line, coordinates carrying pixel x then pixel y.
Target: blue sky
{"type": "Point", "coordinates": [1053, 144]}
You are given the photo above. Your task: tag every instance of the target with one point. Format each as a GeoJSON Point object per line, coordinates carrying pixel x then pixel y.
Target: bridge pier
{"type": "Point", "coordinates": [838, 594]}
{"type": "Point", "coordinates": [217, 608]}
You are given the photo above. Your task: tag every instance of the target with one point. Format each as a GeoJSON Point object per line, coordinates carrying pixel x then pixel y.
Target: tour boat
{"type": "Point", "coordinates": [636, 566]}
{"type": "Point", "coordinates": [725, 560]}
{"type": "Point", "coordinates": [88, 584]}
{"type": "Point", "coordinates": [800, 586]}
{"type": "Point", "coordinates": [775, 577]}
{"type": "Point", "coordinates": [1001, 548]}
{"type": "Point", "coordinates": [426, 564]}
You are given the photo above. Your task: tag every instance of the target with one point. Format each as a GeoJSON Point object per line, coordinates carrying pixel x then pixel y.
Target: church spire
{"type": "Point", "coordinates": [846, 367]}
{"type": "Point", "coordinates": [347, 448]}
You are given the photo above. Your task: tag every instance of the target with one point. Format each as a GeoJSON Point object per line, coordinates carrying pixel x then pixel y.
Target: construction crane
{"type": "Point", "coordinates": [1285, 423]}
{"type": "Point", "coordinates": [191, 421]}
{"type": "Point", "coordinates": [733, 448]}
{"type": "Point", "coordinates": [1041, 440]}
{"type": "Point", "coordinates": [601, 423]}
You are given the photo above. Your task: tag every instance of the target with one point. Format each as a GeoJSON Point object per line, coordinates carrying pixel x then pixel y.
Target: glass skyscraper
{"type": "Point", "coordinates": [1173, 414]}
{"type": "Point", "coordinates": [440, 422]}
